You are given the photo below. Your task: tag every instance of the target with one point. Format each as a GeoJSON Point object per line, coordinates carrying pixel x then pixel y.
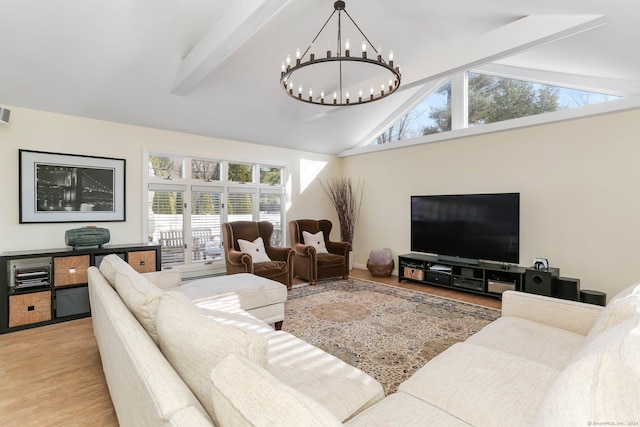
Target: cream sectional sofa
{"type": "Point", "coordinates": [545, 362]}
{"type": "Point", "coordinates": [158, 347]}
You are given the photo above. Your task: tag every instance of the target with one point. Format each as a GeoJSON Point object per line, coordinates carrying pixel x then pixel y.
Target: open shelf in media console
{"type": "Point", "coordinates": [484, 278]}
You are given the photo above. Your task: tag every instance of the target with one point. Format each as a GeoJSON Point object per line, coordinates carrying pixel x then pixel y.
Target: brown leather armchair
{"type": "Point", "coordinates": [280, 268]}
{"type": "Point", "coordinates": [313, 266]}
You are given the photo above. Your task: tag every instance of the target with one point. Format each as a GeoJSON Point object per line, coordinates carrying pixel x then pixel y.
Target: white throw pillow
{"type": "Point", "coordinates": [194, 343]}
{"type": "Point", "coordinates": [315, 240]}
{"type": "Point", "coordinates": [141, 298]}
{"type": "Point", "coordinates": [601, 383]}
{"type": "Point", "coordinates": [617, 311]}
{"type": "Point", "coordinates": [255, 249]}
{"type": "Point", "coordinates": [244, 394]}
{"type": "Point", "coordinates": [597, 387]}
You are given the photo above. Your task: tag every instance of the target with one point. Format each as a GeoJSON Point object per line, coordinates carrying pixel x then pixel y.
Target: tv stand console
{"type": "Point", "coordinates": [482, 278]}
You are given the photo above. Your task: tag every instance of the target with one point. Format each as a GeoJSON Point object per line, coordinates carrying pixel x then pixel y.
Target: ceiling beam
{"type": "Point", "coordinates": [611, 86]}
{"type": "Point", "coordinates": [521, 35]}
{"type": "Point", "coordinates": [236, 27]}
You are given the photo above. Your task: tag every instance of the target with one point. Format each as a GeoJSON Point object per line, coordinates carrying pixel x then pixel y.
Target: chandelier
{"type": "Point", "coordinates": [333, 76]}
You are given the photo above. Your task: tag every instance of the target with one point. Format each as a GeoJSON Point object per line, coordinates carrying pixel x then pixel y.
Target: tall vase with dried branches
{"type": "Point", "coordinates": [347, 200]}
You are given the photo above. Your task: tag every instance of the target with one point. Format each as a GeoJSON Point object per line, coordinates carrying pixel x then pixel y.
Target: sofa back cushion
{"type": "Point", "coordinates": [194, 343]}
{"type": "Point", "coordinates": [621, 307]}
{"type": "Point", "coordinates": [110, 265]}
{"type": "Point", "coordinates": [601, 383]}
{"type": "Point", "coordinates": [141, 298]}
{"type": "Point", "coordinates": [244, 394]}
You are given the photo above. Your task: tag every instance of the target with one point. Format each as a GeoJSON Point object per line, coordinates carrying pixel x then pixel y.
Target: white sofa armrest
{"type": "Point", "coordinates": [189, 417]}
{"type": "Point", "coordinates": [166, 279]}
{"type": "Point", "coordinates": [568, 315]}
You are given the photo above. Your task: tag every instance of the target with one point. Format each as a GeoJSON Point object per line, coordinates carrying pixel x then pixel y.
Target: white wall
{"type": "Point", "coordinates": [42, 131]}
{"type": "Point", "coordinates": [579, 183]}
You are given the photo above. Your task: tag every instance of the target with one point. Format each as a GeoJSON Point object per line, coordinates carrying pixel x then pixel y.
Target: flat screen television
{"type": "Point", "coordinates": [467, 227]}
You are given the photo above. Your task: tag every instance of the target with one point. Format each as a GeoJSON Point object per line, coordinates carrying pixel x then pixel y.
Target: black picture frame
{"type": "Point", "coordinates": [59, 187]}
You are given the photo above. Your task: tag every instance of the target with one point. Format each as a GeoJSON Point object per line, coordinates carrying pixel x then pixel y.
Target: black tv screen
{"type": "Point", "coordinates": [468, 227]}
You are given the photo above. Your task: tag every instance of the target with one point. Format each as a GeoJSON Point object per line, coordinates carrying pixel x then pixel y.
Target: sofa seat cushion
{"type": "Point", "coordinates": [602, 383]}
{"type": "Point", "coordinates": [141, 298]}
{"type": "Point", "coordinates": [244, 290]}
{"type": "Point", "coordinates": [402, 409]}
{"type": "Point", "coordinates": [329, 260]}
{"type": "Point", "coordinates": [244, 394]}
{"type": "Point", "coordinates": [551, 346]}
{"type": "Point", "coordinates": [194, 343]}
{"type": "Point", "coordinates": [230, 315]}
{"type": "Point", "coordinates": [338, 386]}
{"type": "Point", "coordinates": [270, 268]}
{"type": "Point", "coordinates": [482, 386]}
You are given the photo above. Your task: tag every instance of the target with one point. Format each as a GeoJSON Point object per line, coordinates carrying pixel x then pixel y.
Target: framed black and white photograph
{"type": "Point", "coordinates": [57, 187]}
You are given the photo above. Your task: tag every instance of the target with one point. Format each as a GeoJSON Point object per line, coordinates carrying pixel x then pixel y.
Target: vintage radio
{"type": "Point", "coordinates": [86, 236]}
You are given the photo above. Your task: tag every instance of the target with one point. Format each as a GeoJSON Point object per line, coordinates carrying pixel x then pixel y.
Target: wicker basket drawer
{"type": "Point", "coordinates": [70, 270]}
{"type": "Point", "coordinates": [142, 261]}
{"type": "Point", "coordinates": [413, 273]}
{"type": "Point", "coordinates": [26, 309]}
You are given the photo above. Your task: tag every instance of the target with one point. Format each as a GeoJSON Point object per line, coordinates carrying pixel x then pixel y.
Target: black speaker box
{"type": "Point", "coordinates": [566, 288]}
{"type": "Point", "coordinates": [540, 281]}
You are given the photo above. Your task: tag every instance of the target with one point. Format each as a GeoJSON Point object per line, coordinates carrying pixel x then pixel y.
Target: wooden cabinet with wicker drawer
{"type": "Point", "coordinates": [70, 270]}
{"type": "Point", "coordinates": [142, 261]}
{"type": "Point", "coordinates": [26, 309]}
{"type": "Point", "coordinates": [49, 286]}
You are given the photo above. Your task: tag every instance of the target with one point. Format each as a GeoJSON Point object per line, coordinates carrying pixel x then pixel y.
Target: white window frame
{"type": "Point", "coordinates": [188, 185]}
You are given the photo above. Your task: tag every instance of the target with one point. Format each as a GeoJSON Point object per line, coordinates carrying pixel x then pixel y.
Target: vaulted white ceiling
{"type": "Point", "coordinates": [212, 68]}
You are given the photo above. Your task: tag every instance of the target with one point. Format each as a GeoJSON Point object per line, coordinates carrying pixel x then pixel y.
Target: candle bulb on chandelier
{"type": "Point", "coordinates": [291, 88]}
{"type": "Point", "coordinates": [310, 95]}
{"type": "Point", "coordinates": [364, 49]}
{"type": "Point", "coordinates": [371, 94]}
{"type": "Point", "coordinates": [347, 97]}
{"type": "Point", "coordinates": [335, 97]}
{"type": "Point", "coordinates": [382, 89]}
{"type": "Point", "coordinates": [360, 96]}
{"type": "Point", "coordinates": [298, 56]}
{"type": "Point", "coordinates": [379, 54]}
{"type": "Point", "coordinates": [300, 92]}
{"type": "Point", "coordinates": [346, 48]}
{"type": "Point", "coordinates": [322, 97]}
{"type": "Point", "coordinates": [391, 58]}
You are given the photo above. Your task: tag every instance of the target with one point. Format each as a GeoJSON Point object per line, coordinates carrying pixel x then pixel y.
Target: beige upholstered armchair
{"type": "Point", "coordinates": [317, 257]}
{"type": "Point", "coordinates": [261, 259]}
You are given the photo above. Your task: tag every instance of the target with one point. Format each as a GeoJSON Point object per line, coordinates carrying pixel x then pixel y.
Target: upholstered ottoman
{"type": "Point", "coordinates": [261, 297]}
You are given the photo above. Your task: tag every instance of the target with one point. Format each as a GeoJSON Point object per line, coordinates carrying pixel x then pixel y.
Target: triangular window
{"type": "Point", "coordinates": [422, 120]}
{"type": "Point", "coordinates": [489, 99]}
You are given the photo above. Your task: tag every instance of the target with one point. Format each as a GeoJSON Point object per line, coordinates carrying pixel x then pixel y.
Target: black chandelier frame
{"type": "Point", "coordinates": [341, 100]}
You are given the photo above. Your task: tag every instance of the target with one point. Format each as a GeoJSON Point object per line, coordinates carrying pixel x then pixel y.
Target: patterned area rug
{"type": "Point", "coordinates": [386, 331]}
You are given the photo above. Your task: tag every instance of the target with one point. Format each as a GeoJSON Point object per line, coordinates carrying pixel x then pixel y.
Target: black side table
{"type": "Point", "coordinates": [593, 297]}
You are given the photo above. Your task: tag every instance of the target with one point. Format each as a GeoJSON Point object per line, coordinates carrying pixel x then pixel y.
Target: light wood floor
{"type": "Point", "coordinates": [52, 375]}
